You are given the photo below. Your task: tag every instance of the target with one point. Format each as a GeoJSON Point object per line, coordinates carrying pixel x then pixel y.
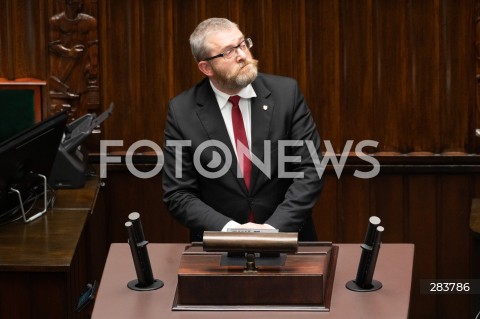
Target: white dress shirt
{"type": "Point", "coordinates": [245, 105]}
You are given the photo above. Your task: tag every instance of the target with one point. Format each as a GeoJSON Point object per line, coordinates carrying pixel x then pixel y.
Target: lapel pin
{"type": "Point", "coordinates": [265, 107]}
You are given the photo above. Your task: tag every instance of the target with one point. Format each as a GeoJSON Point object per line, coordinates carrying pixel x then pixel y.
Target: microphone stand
{"type": "Point", "coordinates": [141, 260]}
{"type": "Point", "coordinates": [370, 248]}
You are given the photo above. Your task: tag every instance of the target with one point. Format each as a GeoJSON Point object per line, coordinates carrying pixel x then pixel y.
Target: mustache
{"type": "Point", "coordinates": [249, 62]}
{"type": "Point", "coordinates": [245, 63]}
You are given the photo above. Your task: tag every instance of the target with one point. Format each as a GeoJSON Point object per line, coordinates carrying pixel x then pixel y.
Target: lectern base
{"type": "Point", "coordinates": [304, 283]}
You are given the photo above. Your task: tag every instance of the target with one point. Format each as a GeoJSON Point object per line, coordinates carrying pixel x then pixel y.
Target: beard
{"type": "Point", "coordinates": [244, 74]}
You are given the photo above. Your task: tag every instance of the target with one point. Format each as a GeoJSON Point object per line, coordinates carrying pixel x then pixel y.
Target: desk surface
{"type": "Point", "coordinates": [49, 242]}
{"type": "Point", "coordinates": [394, 270]}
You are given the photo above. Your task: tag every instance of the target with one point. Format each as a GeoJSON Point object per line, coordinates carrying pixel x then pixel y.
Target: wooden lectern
{"type": "Point", "coordinates": [394, 270]}
{"type": "Point", "coordinates": [216, 281]}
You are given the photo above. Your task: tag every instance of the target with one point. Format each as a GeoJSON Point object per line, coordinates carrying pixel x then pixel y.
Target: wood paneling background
{"type": "Point", "coordinates": [398, 72]}
{"type": "Point", "coordinates": [402, 73]}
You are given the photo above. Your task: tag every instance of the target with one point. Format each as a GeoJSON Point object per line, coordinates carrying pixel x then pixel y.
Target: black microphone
{"type": "Point", "coordinates": [366, 267]}
{"type": "Point", "coordinates": [141, 259]}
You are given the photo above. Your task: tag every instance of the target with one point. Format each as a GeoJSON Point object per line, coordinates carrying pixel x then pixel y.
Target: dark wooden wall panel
{"type": "Point", "coordinates": [453, 244]}
{"type": "Point", "coordinates": [422, 230]}
{"type": "Point", "coordinates": [121, 69]}
{"type": "Point", "coordinates": [458, 76]}
{"type": "Point", "coordinates": [325, 211]}
{"type": "Point", "coordinates": [22, 39]}
{"type": "Point", "coordinates": [323, 61]}
{"type": "Point", "coordinates": [370, 69]}
{"type": "Point", "coordinates": [126, 194]}
{"type": "Point", "coordinates": [391, 73]}
{"type": "Point", "coordinates": [426, 101]}
{"type": "Point", "coordinates": [156, 45]}
{"type": "Point", "coordinates": [475, 116]}
{"type": "Point", "coordinates": [353, 213]}
{"type": "Point", "coordinates": [185, 72]}
{"type": "Point", "coordinates": [388, 204]}
{"type": "Point", "coordinates": [357, 101]}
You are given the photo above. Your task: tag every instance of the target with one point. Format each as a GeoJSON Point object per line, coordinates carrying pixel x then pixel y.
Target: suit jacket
{"type": "Point", "coordinates": [201, 202]}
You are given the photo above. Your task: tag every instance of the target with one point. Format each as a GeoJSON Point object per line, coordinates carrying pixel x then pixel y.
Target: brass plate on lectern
{"type": "Point", "coordinates": [303, 283]}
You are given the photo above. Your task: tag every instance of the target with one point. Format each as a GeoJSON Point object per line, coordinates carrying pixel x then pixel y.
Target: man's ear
{"type": "Point", "coordinates": [205, 68]}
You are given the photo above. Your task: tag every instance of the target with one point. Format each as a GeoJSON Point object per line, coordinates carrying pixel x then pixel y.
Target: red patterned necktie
{"type": "Point", "coordinates": [241, 137]}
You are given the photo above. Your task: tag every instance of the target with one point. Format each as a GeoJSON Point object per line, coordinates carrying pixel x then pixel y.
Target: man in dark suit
{"type": "Point", "coordinates": [219, 174]}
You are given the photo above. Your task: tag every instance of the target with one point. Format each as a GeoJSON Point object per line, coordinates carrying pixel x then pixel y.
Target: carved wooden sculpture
{"type": "Point", "coordinates": [73, 51]}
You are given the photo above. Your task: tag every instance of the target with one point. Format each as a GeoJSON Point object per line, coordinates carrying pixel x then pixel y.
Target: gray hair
{"type": "Point", "coordinates": [203, 30]}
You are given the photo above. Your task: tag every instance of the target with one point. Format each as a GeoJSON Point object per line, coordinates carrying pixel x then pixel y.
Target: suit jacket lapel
{"type": "Point", "coordinates": [212, 120]}
{"type": "Point", "coordinates": [262, 111]}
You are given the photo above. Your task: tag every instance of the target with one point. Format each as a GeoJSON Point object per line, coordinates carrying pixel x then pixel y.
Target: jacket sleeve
{"type": "Point", "coordinates": [305, 189]}
{"type": "Point", "coordinates": [180, 194]}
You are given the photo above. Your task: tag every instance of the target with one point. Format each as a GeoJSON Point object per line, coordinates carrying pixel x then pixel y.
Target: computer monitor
{"type": "Point", "coordinates": [26, 156]}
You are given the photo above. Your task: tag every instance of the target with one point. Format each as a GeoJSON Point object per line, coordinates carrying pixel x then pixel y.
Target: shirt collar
{"type": "Point", "coordinates": [246, 93]}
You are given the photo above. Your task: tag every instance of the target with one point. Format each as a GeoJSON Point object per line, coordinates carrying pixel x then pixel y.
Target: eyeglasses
{"type": "Point", "coordinates": [230, 53]}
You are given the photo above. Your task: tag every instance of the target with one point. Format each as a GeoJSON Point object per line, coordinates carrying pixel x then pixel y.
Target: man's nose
{"type": "Point", "coordinates": [241, 55]}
